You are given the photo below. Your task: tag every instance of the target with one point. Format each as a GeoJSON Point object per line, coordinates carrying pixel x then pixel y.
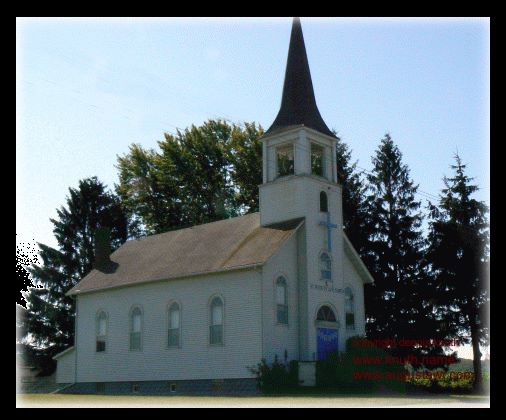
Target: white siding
{"type": "Point", "coordinates": [195, 359]}
{"type": "Point", "coordinates": [300, 197]}
{"type": "Point", "coordinates": [353, 279]}
{"type": "Point", "coordinates": [280, 337]}
{"type": "Point", "coordinates": [66, 368]}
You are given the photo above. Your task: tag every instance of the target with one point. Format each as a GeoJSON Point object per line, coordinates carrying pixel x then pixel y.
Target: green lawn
{"type": "Point", "coordinates": [59, 400]}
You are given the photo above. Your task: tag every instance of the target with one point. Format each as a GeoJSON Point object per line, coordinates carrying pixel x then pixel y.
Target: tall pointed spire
{"type": "Point", "coordinates": [298, 104]}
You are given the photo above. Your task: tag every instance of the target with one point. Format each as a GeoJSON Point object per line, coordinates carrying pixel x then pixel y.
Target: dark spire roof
{"type": "Point", "coordinates": [298, 104]}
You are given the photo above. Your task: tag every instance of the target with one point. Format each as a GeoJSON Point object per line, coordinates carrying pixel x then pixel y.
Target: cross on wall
{"type": "Point", "coordinates": [329, 225]}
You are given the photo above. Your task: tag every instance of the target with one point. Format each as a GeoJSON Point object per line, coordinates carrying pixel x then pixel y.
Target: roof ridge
{"type": "Point", "coordinates": [188, 228]}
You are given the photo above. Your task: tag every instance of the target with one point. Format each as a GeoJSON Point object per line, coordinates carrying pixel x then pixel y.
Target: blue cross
{"type": "Point", "coordinates": [329, 226]}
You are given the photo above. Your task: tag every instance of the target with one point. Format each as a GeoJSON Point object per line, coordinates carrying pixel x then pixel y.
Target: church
{"type": "Point", "coordinates": [192, 310]}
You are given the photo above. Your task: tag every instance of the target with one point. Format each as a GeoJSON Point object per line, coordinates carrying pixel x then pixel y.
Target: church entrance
{"type": "Point", "coordinates": [326, 332]}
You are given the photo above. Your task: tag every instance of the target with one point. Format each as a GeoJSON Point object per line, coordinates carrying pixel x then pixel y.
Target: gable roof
{"type": "Point", "coordinates": [229, 244]}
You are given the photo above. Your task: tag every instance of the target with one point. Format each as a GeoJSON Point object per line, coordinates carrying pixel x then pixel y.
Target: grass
{"type": "Point", "coordinates": [60, 400]}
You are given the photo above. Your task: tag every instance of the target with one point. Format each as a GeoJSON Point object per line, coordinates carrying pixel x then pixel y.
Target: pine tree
{"type": "Point", "coordinates": [396, 304]}
{"type": "Point", "coordinates": [47, 323]}
{"type": "Point", "coordinates": [355, 212]}
{"type": "Point", "coordinates": [459, 258]}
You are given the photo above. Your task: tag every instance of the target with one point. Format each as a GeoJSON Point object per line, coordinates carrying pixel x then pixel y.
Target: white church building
{"type": "Point", "coordinates": [191, 310]}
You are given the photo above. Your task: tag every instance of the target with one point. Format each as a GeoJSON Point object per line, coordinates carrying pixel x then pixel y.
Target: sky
{"type": "Point", "coordinates": [86, 89]}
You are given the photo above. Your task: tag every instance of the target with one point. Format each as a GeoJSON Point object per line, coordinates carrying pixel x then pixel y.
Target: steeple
{"type": "Point", "coordinates": [298, 104]}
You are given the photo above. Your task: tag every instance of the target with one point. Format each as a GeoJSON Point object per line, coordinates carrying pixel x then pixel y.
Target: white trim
{"type": "Point", "coordinates": [97, 329]}
{"type": "Point", "coordinates": [168, 321]}
{"type": "Point", "coordinates": [62, 353]}
{"type": "Point", "coordinates": [279, 275]}
{"type": "Point", "coordinates": [130, 327]}
{"type": "Point", "coordinates": [210, 320]}
{"type": "Point", "coordinates": [357, 261]}
{"type": "Point", "coordinates": [327, 324]}
{"type": "Point", "coordinates": [329, 255]}
{"type": "Point", "coordinates": [295, 129]}
{"type": "Point", "coordinates": [349, 286]}
{"type": "Point", "coordinates": [184, 276]}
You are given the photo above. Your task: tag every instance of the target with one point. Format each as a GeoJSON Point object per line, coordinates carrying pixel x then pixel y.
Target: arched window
{"type": "Point", "coordinates": [324, 206]}
{"type": "Point", "coordinates": [135, 328]}
{"type": "Point", "coordinates": [349, 308]}
{"type": "Point", "coordinates": [216, 327]}
{"type": "Point", "coordinates": [281, 301]}
{"type": "Point", "coordinates": [101, 331]}
{"type": "Point", "coordinates": [325, 267]}
{"type": "Point", "coordinates": [325, 313]}
{"type": "Point", "coordinates": [174, 325]}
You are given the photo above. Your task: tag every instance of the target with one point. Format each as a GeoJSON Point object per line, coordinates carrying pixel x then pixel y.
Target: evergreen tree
{"type": "Point", "coordinates": [355, 211]}
{"type": "Point", "coordinates": [459, 258]}
{"type": "Point", "coordinates": [47, 324]}
{"type": "Point", "coordinates": [26, 255]}
{"type": "Point", "coordinates": [396, 305]}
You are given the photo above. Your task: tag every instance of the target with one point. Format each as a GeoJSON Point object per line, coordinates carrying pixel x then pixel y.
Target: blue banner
{"type": "Point", "coordinates": [326, 342]}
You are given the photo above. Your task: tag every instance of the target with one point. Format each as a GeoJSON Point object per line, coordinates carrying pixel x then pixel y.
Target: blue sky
{"type": "Point", "coordinates": [88, 88]}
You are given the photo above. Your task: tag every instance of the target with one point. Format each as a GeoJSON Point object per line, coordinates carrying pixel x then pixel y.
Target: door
{"type": "Point", "coordinates": [326, 342]}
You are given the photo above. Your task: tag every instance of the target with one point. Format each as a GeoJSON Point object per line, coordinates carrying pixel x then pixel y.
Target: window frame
{"type": "Point", "coordinates": [283, 278]}
{"type": "Point", "coordinates": [320, 266]}
{"type": "Point", "coordinates": [323, 168]}
{"type": "Point", "coordinates": [324, 194]}
{"type": "Point", "coordinates": [99, 337]}
{"type": "Point", "coordinates": [130, 328]}
{"type": "Point", "coordinates": [331, 324]}
{"type": "Point", "coordinates": [353, 310]}
{"type": "Point", "coordinates": [210, 320]}
{"type": "Point", "coordinates": [277, 149]}
{"type": "Point", "coordinates": [169, 306]}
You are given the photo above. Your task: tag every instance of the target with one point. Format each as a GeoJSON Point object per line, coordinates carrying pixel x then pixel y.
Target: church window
{"type": "Point", "coordinates": [174, 325]}
{"type": "Point", "coordinates": [324, 206]}
{"type": "Point", "coordinates": [281, 301]}
{"type": "Point", "coordinates": [316, 159]}
{"type": "Point", "coordinates": [285, 160]}
{"type": "Point", "coordinates": [349, 308]}
{"type": "Point", "coordinates": [325, 313]}
{"type": "Point", "coordinates": [216, 327]}
{"type": "Point", "coordinates": [325, 267]}
{"type": "Point", "coordinates": [101, 331]}
{"type": "Point", "coordinates": [135, 328]}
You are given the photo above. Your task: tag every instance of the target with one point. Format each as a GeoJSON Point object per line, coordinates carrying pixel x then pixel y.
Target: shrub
{"type": "Point", "coordinates": [339, 370]}
{"type": "Point", "coordinates": [277, 377]}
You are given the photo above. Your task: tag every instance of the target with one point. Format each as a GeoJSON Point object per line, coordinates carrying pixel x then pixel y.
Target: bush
{"type": "Point", "coordinates": [339, 369]}
{"type": "Point", "coordinates": [277, 377]}
{"type": "Point", "coordinates": [444, 385]}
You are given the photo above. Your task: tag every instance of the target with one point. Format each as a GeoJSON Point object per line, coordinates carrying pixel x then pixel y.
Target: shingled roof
{"type": "Point", "coordinates": [298, 103]}
{"type": "Point", "coordinates": [228, 244]}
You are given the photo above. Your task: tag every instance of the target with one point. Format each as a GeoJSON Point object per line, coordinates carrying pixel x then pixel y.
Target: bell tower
{"type": "Point", "coordinates": [300, 181]}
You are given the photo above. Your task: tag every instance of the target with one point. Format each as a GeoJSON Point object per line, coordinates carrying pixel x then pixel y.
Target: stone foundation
{"type": "Point", "coordinates": [244, 386]}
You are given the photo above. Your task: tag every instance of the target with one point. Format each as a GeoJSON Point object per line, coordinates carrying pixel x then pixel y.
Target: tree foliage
{"type": "Point", "coordinates": [199, 175]}
{"type": "Point", "coordinates": [459, 258]}
{"type": "Point", "coordinates": [355, 211]}
{"type": "Point", "coordinates": [47, 324]}
{"type": "Point", "coordinates": [397, 304]}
